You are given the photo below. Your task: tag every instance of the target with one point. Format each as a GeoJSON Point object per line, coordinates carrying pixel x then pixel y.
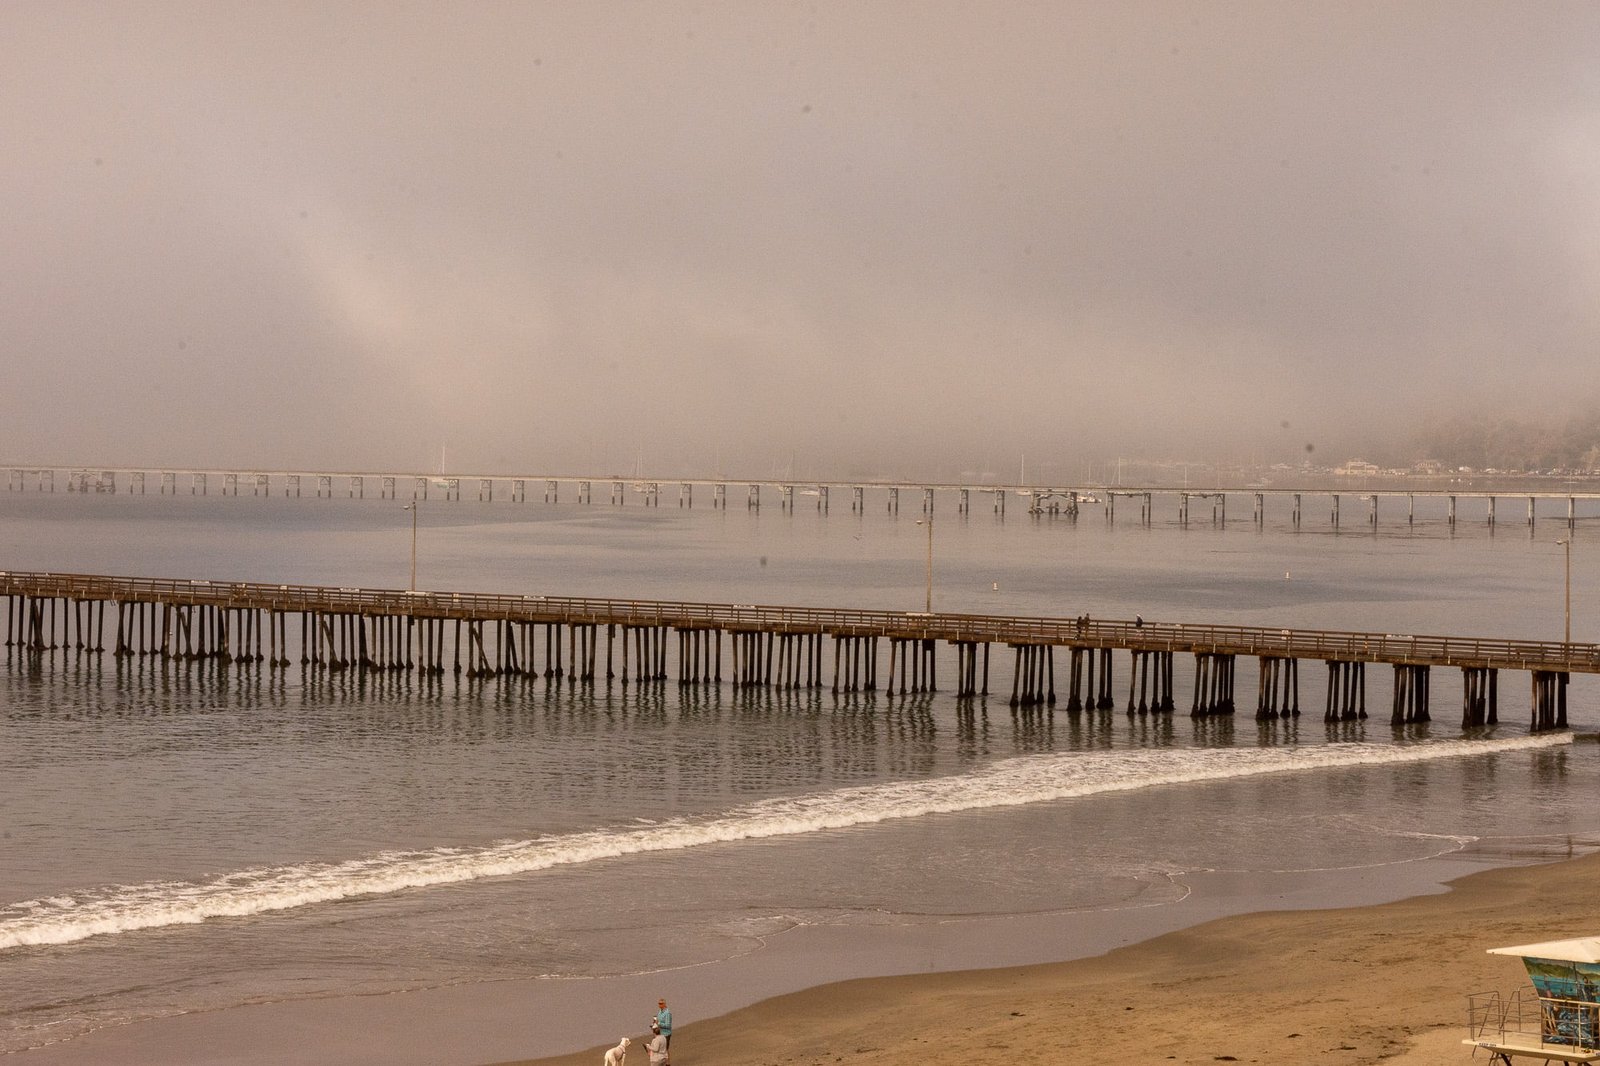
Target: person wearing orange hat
{"type": "Point", "coordinates": [664, 1020]}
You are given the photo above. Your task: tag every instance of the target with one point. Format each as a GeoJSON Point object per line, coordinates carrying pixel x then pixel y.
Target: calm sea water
{"type": "Point", "coordinates": [189, 837]}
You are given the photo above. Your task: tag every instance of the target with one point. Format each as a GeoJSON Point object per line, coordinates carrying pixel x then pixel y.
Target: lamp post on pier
{"type": "Point", "coordinates": [412, 507]}
{"type": "Point", "coordinates": [1567, 543]}
{"type": "Point", "coordinates": [928, 521]}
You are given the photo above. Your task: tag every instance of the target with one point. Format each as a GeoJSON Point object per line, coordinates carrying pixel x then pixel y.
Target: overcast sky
{"type": "Point", "coordinates": [843, 238]}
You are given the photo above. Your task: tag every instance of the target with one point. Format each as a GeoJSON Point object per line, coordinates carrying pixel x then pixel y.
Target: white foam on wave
{"type": "Point", "coordinates": [63, 919]}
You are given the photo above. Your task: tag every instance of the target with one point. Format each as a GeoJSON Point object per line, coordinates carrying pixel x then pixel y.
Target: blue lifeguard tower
{"type": "Point", "coordinates": [1560, 1022]}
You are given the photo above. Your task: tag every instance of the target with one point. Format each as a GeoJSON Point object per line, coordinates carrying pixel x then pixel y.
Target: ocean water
{"type": "Point", "coordinates": [182, 838]}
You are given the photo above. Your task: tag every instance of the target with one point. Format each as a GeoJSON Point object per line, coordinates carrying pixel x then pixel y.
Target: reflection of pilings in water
{"type": "Point", "coordinates": [1216, 731]}
{"type": "Point", "coordinates": [1033, 725]}
{"type": "Point", "coordinates": [1091, 729]}
{"type": "Point", "coordinates": [1479, 696]}
{"type": "Point", "coordinates": [1347, 690]}
{"type": "Point", "coordinates": [1150, 730]}
{"type": "Point", "coordinates": [1276, 732]}
{"type": "Point", "coordinates": [1279, 691]}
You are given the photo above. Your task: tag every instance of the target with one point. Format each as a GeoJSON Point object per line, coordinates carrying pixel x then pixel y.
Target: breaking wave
{"type": "Point", "coordinates": [69, 917]}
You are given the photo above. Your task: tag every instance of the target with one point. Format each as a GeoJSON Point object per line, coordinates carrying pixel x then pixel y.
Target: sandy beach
{"type": "Point", "coordinates": [1385, 983]}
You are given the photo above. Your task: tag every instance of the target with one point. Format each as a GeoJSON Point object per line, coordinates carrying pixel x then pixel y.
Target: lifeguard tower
{"type": "Point", "coordinates": [1559, 1022]}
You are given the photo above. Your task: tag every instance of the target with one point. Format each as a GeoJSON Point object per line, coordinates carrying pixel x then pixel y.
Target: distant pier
{"type": "Point", "coordinates": [590, 641]}
{"type": "Point", "coordinates": [1354, 505]}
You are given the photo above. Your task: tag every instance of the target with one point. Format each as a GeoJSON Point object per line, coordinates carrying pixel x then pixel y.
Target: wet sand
{"type": "Point", "coordinates": [1385, 983]}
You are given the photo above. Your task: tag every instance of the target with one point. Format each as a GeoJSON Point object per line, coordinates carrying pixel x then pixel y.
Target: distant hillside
{"type": "Point", "coordinates": [1506, 443]}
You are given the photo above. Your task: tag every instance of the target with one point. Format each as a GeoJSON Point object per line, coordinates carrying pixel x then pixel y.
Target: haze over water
{"type": "Point", "coordinates": [188, 837]}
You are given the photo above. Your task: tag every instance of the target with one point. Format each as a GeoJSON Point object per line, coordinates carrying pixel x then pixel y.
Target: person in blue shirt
{"type": "Point", "coordinates": [664, 1019]}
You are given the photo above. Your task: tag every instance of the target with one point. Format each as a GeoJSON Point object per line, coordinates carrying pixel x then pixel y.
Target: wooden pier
{"type": "Point", "coordinates": [587, 641]}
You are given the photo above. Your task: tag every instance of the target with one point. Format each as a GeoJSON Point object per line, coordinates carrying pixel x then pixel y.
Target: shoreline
{"type": "Point", "coordinates": [548, 1021]}
{"type": "Point", "coordinates": [1352, 985]}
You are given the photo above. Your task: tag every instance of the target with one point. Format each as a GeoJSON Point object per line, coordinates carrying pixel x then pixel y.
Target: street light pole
{"type": "Point", "coordinates": [929, 523]}
{"type": "Point", "coordinates": [412, 507]}
{"type": "Point", "coordinates": [930, 561]}
{"type": "Point", "coordinates": [1567, 543]}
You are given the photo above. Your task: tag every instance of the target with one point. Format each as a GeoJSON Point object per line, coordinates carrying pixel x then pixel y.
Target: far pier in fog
{"type": "Point", "coordinates": [1330, 503]}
